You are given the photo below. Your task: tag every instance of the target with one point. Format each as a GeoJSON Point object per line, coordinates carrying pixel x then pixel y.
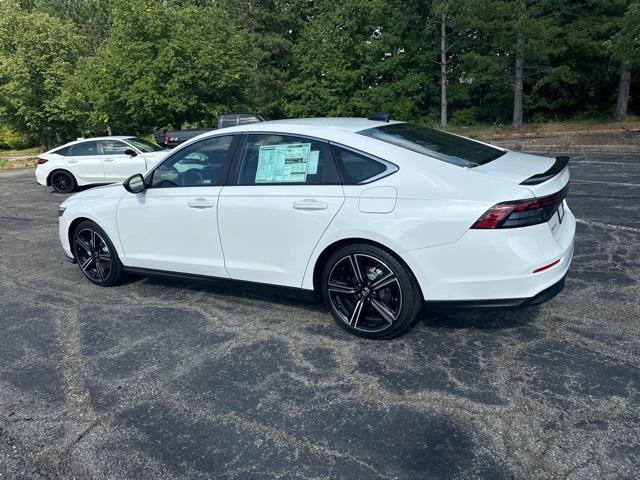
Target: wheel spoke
{"type": "Point", "coordinates": [355, 315]}
{"type": "Point", "coordinates": [383, 282]}
{"type": "Point", "coordinates": [93, 240]}
{"type": "Point", "coordinates": [84, 245]}
{"type": "Point", "coordinates": [383, 311]}
{"type": "Point", "coordinates": [100, 270]}
{"type": "Point", "coordinates": [356, 268]}
{"type": "Point", "coordinates": [342, 289]}
{"type": "Point", "coordinates": [104, 257]}
{"type": "Point", "coordinates": [87, 263]}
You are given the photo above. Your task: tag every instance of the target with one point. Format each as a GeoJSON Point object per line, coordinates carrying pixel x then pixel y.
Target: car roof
{"type": "Point", "coordinates": [112, 137]}
{"type": "Point", "coordinates": [346, 124]}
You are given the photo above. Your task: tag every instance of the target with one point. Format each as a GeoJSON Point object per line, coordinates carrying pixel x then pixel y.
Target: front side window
{"type": "Point", "coordinates": [113, 147]}
{"type": "Point", "coordinates": [84, 149]}
{"type": "Point", "coordinates": [203, 163]}
{"type": "Point", "coordinates": [444, 146]}
{"type": "Point", "coordinates": [269, 159]}
{"type": "Point", "coordinates": [145, 146]}
{"type": "Point", "coordinates": [356, 168]}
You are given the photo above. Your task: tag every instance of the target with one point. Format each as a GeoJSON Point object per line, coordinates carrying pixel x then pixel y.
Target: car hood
{"type": "Point", "coordinates": [114, 190]}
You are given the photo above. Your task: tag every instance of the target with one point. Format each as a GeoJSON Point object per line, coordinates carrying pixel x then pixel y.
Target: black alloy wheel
{"type": "Point", "coordinates": [63, 182]}
{"type": "Point", "coordinates": [96, 255]}
{"type": "Point", "coordinates": [370, 293]}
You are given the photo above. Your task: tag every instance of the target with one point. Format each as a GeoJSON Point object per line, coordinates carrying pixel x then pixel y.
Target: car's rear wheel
{"type": "Point", "coordinates": [96, 255]}
{"type": "Point", "coordinates": [370, 293]}
{"type": "Point", "coordinates": [63, 181]}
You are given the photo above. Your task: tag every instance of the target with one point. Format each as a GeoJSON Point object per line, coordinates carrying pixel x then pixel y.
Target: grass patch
{"type": "Point", "coordinates": [18, 158]}
{"type": "Point", "coordinates": [488, 132]}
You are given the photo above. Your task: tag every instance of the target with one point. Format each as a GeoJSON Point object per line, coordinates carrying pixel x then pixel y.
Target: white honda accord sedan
{"type": "Point", "coordinates": [375, 217]}
{"type": "Point", "coordinates": [91, 161]}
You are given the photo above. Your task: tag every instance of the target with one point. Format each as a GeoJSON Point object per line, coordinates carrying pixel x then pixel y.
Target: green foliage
{"type": "Point", "coordinates": [161, 66]}
{"type": "Point", "coordinates": [13, 140]}
{"type": "Point", "coordinates": [84, 67]}
{"type": "Point", "coordinates": [37, 55]}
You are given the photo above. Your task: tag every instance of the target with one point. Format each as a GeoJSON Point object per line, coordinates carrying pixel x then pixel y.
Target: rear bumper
{"type": "Point", "coordinates": [495, 267]}
{"type": "Point", "coordinates": [544, 296]}
{"type": "Point", "coordinates": [41, 176]}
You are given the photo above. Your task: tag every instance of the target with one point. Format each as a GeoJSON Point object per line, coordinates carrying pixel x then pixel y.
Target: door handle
{"type": "Point", "coordinates": [108, 159]}
{"type": "Point", "coordinates": [72, 161]}
{"type": "Point", "coordinates": [310, 204]}
{"type": "Point", "coordinates": [200, 203]}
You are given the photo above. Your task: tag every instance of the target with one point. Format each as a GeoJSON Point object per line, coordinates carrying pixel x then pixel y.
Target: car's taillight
{"type": "Point", "coordinates": [40, 161]}
{"type": "Point", "coordinates": [521, 213]}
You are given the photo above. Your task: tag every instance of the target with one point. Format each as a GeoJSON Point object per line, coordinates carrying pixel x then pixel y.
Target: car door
{"type": "Point", "coordinates": [117, 165]}
{"type": "Point", "coordinates": [285, 192]}
{"type": "Point", "coordinates": [173, 225]}
{"type": "Point", "coordinates": [84, 161]}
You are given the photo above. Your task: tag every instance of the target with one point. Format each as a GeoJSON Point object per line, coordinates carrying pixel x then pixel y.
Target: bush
{"type": "Point", "coordinates": [465, 117]}
{"type": "Point", "coordinates": [14, 140]}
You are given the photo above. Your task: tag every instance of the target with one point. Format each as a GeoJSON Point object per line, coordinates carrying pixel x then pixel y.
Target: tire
{"type": "Point", "coordinates": [96, 255]}
{"type": "Point", "coordinates": [63, 181]}
{"type": "Point", "coordinates": [379, 300]}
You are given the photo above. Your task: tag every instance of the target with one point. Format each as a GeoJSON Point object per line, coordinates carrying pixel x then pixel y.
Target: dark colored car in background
{"type": "Point", "coordinates": [171, 139]}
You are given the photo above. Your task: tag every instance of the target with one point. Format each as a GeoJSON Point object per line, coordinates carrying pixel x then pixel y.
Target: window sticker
{"type": "Point", "coordinates": [312, 168]}
{"type": "Point", "coordinates": [286, 163]}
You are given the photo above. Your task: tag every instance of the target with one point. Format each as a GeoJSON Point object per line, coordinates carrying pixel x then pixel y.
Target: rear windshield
{"type": "Point", "coordinates": [435, 143]}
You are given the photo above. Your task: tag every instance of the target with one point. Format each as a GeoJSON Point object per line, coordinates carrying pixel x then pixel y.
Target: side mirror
{"type": "Point", "coordinates": [131, 152]}
{"type": "Point", "coordinates": [134, 184]}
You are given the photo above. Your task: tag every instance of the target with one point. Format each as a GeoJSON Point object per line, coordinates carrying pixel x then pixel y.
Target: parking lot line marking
{"type": "Point", "coordinates": [608, 226]}
{"type": "Point", "coordinates": [607, 183]}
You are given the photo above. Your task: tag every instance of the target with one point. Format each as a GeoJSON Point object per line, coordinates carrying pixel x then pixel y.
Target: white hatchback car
{"type": "Point", "coordinates": [90, 161]}
{"type": "Point", "coordinates": [375, 217]}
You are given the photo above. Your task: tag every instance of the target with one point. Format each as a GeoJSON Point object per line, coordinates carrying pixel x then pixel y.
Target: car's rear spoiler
{"type": "Point", "coordinates": [559, 165]}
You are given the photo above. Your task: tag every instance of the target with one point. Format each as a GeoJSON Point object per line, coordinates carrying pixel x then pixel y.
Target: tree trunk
{"type": "Point", "coordinates": [517, 87]}
{"type": "Point", "coordinates": [443, 71]}
{"type": "Point", "coordinates": [623, 94]}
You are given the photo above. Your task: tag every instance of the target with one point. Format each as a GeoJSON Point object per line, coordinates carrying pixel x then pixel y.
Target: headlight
{"type": "Point", "coordinates": [61, 211]}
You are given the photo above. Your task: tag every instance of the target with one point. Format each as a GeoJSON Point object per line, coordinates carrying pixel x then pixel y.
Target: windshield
{"type": "Point", "coordinates": [143, 145]}
{"type": "Point", "coordinates": [437, 144]}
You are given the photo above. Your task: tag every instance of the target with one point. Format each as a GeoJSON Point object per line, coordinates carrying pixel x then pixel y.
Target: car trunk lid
{"type": "Point", "coordinates": [541, 175]}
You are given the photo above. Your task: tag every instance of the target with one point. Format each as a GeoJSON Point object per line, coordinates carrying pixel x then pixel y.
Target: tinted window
{"type": "Point", "coordinates": [356, 168]}
{"type": "Point", "coordinates": [144, 145]}
{"type": "Point", "coordinates": [284, 159]}
{"type": "Point", "coordinates": [83, 149]}
{"type": "Point", "coordinates": [113, 147]}
{"type": "Point", "coordinates": [62, 151]}
{"type": "Point", "coordinates": [201, 164]}
{"type": "Point", "coordinates": [436, 144]}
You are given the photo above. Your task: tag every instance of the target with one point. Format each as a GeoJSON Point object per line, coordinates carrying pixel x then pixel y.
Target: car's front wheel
{"type": "Point", "coordinates": [96, 255]}
{"type": "Point", "coordinates": [63, 181]}
{"type": "Point", "coordinates": [370, 293]}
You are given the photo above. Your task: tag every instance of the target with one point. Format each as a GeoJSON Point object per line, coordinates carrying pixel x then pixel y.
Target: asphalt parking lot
{"type": "Point", "coordinates": [171, 379]}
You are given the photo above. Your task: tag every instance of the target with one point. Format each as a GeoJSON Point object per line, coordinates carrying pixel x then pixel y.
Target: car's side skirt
{"type": "Point", "coordinates": [292, 292]}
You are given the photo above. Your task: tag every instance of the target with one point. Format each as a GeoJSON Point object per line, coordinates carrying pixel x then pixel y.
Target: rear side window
{"type": "Point", "coordinates": [62, 151]}
{"type": "Point", "coordinates": [356, 168]}
{"type": "Point", "coordinates": [269, 159]}
{"type": "Point", "coordinates": [83, 149]}
{"type": "Point", "coordinates": [460, 151]}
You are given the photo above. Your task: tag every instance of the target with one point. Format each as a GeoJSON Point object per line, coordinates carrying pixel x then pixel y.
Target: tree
{"type": "Point", "coordinates": [162, 64]}
{"type": "Point", "coordinates": [37, 54]}
{"type": "Point", "coordinates": [625, 46]}
{"type": "Point", "coordinates": [360, 57]}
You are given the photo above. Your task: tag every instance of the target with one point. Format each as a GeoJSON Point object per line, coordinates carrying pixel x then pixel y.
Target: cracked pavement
{"type": "Point", "coordinates": [174, 379]}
